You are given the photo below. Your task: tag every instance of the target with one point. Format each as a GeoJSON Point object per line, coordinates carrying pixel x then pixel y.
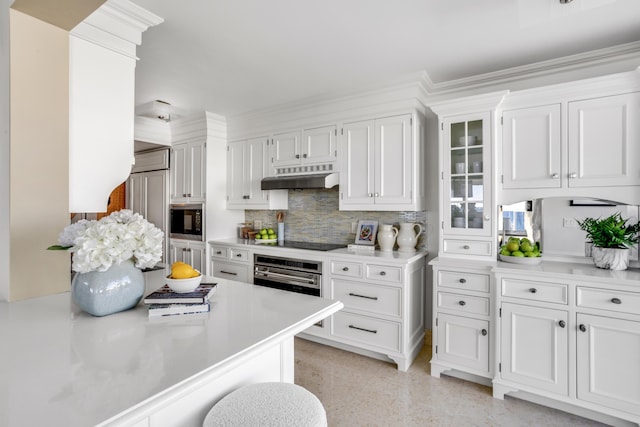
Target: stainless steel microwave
{"type": "Point", "coordinates": [187, 222]}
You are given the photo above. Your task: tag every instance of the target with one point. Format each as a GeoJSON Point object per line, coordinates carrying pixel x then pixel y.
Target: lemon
{"type": "Point", "coordinates": [183, 271]}
{"type": "Point", "coordinates": [176, 264]}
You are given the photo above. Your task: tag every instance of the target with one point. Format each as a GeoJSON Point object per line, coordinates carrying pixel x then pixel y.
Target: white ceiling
{"type": "Point", "coordinates": [234, 56]}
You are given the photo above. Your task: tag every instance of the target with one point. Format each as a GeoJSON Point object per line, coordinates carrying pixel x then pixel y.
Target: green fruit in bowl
{"type": "Point", "coordinates": [505, 252]}
{"type": "Point", "coordinates": [263, 231]}
{"type": "Point", "coordinates": [258, 236]}
{"type": "Point", "coordinates": [517, 254]}
{"type": "Point", "coordinates": [513, 246]}
{"type": "Point", "coordinates": [526, 246]}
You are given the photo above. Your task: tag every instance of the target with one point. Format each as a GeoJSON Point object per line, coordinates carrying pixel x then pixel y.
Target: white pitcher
{"type": "Point", "coordinates": [387, 237]}
{"type": "Point", "coordinates": [408, 237]}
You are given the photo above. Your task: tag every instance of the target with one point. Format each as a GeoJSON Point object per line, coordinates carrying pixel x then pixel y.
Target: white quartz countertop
{"type": "Point", "coordinates": [60, 366]}
{"type": "Point", "coordinates": [274, 249]}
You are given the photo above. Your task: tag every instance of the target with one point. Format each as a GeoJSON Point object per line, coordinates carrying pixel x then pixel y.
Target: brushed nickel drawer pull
{"type": "Point", "coordinates": [372, 331]}
{"type": "Point", "coordinates": [616, 300]}
{"type": "Point", "coordinates": [351, 294]}
{"type": "Point", "coordinates": [463, 280]}
{"type": "Point", "coordinates": [462, 303]}
{"type": "Point", "coordinates": [562, 323]}
{"type": "Point", "coordinates": [239, 255]}
{"type": "Point", "coordinates": [582, 328]}
{"type": "Point", "coordinates": [345, 268]}
{"type": "Point", "coordinates": [533, 290]}
{"type": "Point", "coordinates": [484, 332]}
{"type": "Point", "coordinates": [382, 273]}
{"type": "Point", "coordinates": [466, 247]}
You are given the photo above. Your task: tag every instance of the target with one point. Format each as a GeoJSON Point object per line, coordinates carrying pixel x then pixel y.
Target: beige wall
{"type": "Point", "coordinates": [39, 156]}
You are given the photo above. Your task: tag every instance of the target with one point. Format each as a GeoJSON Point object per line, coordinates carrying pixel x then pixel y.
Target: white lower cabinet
{"type": "Point", "coordinates": [229, 262]}
{"type": "Point", "coordinates": [608, 368]}
{"type": "Point", "coordinates": [462, 334]}
{"type": "Point", "coordinates": [383, 306]}
{"type": "Point", "coordinates": [535, 347]}
{"type": "Point", "coordinates": [190, 252]}
{"type": "Point", "coordinates": [572, 341]}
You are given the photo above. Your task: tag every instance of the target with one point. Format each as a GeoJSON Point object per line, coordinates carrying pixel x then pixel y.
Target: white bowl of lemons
{"type": "Point", "coordinates": [183, 278]}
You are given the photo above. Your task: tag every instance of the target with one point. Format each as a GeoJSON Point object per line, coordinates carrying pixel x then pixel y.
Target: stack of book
{"type": "Point", "coordinates": [166, 302]}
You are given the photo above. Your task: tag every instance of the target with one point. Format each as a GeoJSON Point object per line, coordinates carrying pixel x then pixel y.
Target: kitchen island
{"type": "Point", "coordinates": [61, 366]}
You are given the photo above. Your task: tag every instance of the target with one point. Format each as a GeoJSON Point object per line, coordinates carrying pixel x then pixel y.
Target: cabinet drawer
{"type": "Point", "coordinates": [384, 273]}
{"type": "Point", "coordinates": [238, 255]}
{"type": "Point", "coordinates": [239, 273]}
{"type": "Point", "coordinates": [535, 291]}
{"type": "Point", "coordinates": [467, 281]}
{"type": "Point", "coordinates": [219, 252]}
{"type": "Point", "coordinates": [348, 269]}
{"type": "Point", "coordinates": [367, 330]}
{"type": "Point", "coordinates": [372, 298]}
{"type": "Point", "coordinates": [463, 303]}
{"type": "Point", "coordinates": [466, 247]}
{"type": "Point", "coordinates": [604, 299]}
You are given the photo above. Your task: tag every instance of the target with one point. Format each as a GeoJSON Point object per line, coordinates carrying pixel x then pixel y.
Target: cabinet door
{"type": "Point", "coordinates": [531, 140]}
{"type": "Point", "coordinates": [534, 347]}
{"type": "Point", "coordinates": [467, 175]}
{"type": "Point", "coordinates": [236, 190]}
{"type": "Point", "coordinates": [358, 157]}
{"type": "Point", "coordinates": [136, 193]}
{"type": "Point", "coordinates": [257, 164]}
{"type": "Point", "coordinates": [155, 198]}
{"type": "Point", "coordinates": [463, 341]}
{"type": "Point", "coordinates": [178, 252]}
{"type": "Point", "coordinates": [196, 253]}
{"type": "Point", "coordinates": [603, 141]}
{"type": "Point", "coordinates": [196, 171]}
{"type": "Point", "coordinates": [608, 351]}
{"type": "Point", "coordinates": [319, 145]}
{"type": "Point", "coordinates": [393, 161]}
{"type": "Point", "coordinates": [179, 173]}
{"type": "Point", "coordinates": [286, 149]}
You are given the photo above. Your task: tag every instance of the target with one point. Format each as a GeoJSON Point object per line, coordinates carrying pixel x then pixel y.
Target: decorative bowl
{"type": "Point", "coordinates": [466, 140]}
{"type": "Point", "coordinates": [520, 260]}
{"type": "Point", "coordinates": [184, 285]}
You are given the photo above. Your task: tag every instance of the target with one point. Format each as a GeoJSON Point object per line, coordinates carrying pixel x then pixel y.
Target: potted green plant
{"type": "Point", "coordinates": [611, 238]}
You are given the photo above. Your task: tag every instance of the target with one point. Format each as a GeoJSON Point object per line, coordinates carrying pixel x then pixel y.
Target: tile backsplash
{"type": "Point", "coordinates": [313, 216]}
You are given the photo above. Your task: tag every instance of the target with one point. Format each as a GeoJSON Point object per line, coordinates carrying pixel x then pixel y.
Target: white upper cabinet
{"type": "Point", "coordinates": [377, 165]}
{"type": "Point", "coordinates": [531, 147]}
{"type": "Point", "coordinates": [188, 172]}
{"type": "Point", "coordinates": [247, 164]}
{"type": "Point", "coordinates": [575, 139]}
{"type": "Point", "coordinates": [310, 147]}
{"type": "Point", "coordinates": [603, 141]}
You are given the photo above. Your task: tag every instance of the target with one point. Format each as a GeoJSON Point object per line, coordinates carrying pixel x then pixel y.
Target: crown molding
{"type": "Point", "coordinates": [470, 104]}
{"type": "Point", "coordinates": [116, 25]}
{"type": "Point", "coordinates": [571, 63]}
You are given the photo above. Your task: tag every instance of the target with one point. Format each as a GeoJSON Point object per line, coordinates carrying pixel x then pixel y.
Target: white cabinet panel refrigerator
{"type": "Point", "coordinates": [148, 191]}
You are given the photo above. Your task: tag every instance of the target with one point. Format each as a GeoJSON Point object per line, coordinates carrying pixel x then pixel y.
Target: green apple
{"type": "Point", "coordinates": [505, 252]}
{"type": "Point", "coordinates": [258, 236]}
{"type": "Point", "coordinates": [263, 231]}
{"type": "Point", "coordinates": [513, 246]}
{"type": "Point", "coordinates": [270, 231]}
{"type": "Point", "coordinates": [517, 254]}
{"type": "Point", "coordinates": [526, 246]}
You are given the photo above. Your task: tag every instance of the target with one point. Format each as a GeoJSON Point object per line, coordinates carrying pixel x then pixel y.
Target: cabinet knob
{"type": "Point", "coordinates": [370, 194]}
{"type": "Point", "coordinates": [376, 194]}
{"type": "Point", "coordinates": [462, 303]}
{"type": "Point", "coordinates": [383, 273]}
{"type": "Point", "coordinates": [533, 290]}
{"type": "Point", "coordinates": [345, 268]}
{"type": "Point", "coordinates": [582, 328]}
{"type": "Point", "coordinates": [466, 247]}
{"type": "Point", "coordinates": [219, 253]}
{"type": "Point", "coordinates": [304, 156]}
{"type": "Point", "coordinates": [239, 255]}
{"type": "Point", "coordinates": [484, 332]}
{"type": "Point", "coordinates": [573, 175]}
{"type": "Point", "coordinates": [616, 300]}
{"type": "Point", "coordinates": [562, 323]}
{"type": "Point", "coordinates": [463, 280]}
{"type": "Point", "coordinates": [189, 195]}
{"type": "Point", "coordinates": [555, 175]}
{"type": "Point", "coordinates": [297, 156]}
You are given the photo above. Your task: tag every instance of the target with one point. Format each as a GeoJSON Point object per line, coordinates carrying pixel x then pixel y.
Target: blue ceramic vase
{"type": "Point", "coordinates": [101, 293]}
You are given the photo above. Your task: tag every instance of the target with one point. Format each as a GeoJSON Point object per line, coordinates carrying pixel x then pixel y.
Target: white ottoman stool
{"type": "Point", "coordinates": [268, 405]}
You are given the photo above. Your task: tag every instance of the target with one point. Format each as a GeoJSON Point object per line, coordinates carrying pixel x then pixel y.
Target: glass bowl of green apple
{"type": "Point", "coordinates": [520, 251]}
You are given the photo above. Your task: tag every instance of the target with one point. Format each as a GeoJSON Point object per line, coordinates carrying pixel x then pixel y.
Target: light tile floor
{"type": "Point", "coordinates": [360, 391]}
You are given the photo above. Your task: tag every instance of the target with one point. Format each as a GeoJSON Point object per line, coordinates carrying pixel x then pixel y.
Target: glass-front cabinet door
{"type": "Point", "coordinates": [466, 177]}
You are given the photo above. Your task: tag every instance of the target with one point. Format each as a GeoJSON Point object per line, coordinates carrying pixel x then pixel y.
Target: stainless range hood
{"type": "Point", "coordinates": [323, 180]}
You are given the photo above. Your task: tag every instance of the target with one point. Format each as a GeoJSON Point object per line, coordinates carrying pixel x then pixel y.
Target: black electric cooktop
{"type": "Point", "coordinates": [313, 246]}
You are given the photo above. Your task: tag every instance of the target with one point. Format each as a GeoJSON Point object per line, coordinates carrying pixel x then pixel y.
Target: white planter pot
{"type": "Point", "coordinates": [610, 258]}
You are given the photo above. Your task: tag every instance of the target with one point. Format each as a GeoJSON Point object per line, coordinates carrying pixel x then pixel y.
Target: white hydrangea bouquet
{"type": "Point", "coordinates": [123, 235]}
